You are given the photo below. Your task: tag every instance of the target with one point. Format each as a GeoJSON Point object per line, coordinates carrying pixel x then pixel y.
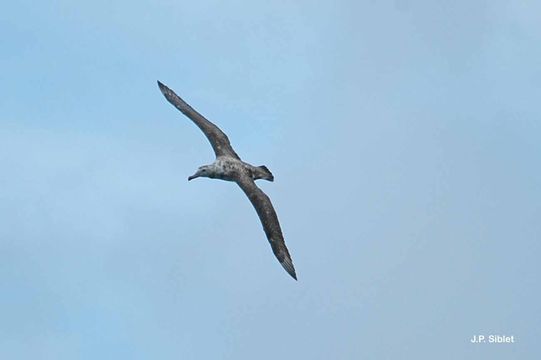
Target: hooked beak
{"type": "Point", "coordinates": [196, 175]}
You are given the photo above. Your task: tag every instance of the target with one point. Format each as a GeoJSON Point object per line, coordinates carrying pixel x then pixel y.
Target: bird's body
{"type": "Point", "coordinates": [229, 167]}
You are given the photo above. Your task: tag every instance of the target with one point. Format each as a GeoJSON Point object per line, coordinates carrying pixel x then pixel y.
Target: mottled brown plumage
{"type": "Point", "coordinates": [269, 219]}
{"type": "Point", "coordinates": [219, 141]}
{"type": "Point", "coordinates": [228, 166]}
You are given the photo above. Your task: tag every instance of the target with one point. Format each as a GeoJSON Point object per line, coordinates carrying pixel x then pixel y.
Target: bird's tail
{"type": "Point", "coordinates": [263, 173]}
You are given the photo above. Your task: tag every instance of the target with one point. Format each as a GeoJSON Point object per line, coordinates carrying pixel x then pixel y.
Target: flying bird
{"type": "Point", "coordinates": [228, 166]}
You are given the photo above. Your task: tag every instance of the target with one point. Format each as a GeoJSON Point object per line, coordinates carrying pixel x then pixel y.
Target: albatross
{"type": "Point", "coordinates": [229, 167]}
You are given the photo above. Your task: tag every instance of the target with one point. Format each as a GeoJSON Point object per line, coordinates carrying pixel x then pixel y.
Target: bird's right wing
{"type": "Point", "coordinates": [217, 138]}
{"type": "Point", "coordinates": [269, 220]}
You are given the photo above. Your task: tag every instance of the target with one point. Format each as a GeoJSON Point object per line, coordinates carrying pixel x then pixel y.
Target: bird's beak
{"type": "Point", "coordinates": [196, 175]}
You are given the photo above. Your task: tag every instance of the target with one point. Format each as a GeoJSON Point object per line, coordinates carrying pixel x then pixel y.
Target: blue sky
{"type": "Point", "coordinates": [403, 136]}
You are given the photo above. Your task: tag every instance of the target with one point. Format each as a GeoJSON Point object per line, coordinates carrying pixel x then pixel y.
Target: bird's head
{"type": "Point", "coordinates": [203, 171]}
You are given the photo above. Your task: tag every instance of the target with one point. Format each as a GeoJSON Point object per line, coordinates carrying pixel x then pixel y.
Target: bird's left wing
{"type": "Point", "coordinates": [269, 220]}
{"type": "Point", "coordinates": [219, 141]}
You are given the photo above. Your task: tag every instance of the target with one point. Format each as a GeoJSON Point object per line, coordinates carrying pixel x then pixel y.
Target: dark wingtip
{"type": "Point", "coordinates": [161, 86]}
{"type": "Point", "coordinates": [287, 264]}
{"type": "Point", "coordinates": [168, 93]}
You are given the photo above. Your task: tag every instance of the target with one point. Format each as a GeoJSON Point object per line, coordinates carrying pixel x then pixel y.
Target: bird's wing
{"type": "Point", "coordinates": [269, 220]}
{"type": "Point", "coordinates": [217, 138]}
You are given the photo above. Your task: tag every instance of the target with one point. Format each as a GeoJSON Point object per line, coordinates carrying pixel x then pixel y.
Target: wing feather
{"type": "Point", "coordinates": [219, 141]}
{"type": "Point", "coordinates": [269, 220]}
